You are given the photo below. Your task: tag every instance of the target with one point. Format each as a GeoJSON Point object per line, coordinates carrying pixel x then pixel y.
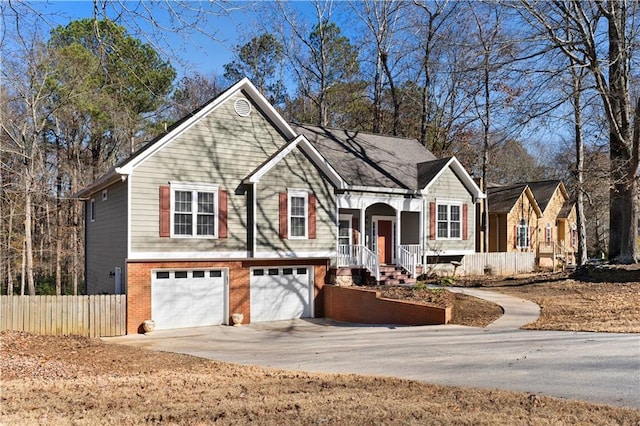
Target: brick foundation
{"type": "Point", "coordinates": [139, 285]}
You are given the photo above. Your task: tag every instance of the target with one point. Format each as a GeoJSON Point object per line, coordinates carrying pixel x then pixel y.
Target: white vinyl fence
{"type": "Point", "coordinates": [93, 316]}
{"type": "Point", "coordinates": [499, 264]}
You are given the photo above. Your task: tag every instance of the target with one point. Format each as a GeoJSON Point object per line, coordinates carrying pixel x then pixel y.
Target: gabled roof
{"type": "Point", "coordinates": [503, 198]}
{"type": "Point", "coordinates": [366, 160]}
{"type": "Point", "coordinates": [308, 149]}
{"type": "Point", "coordinates": [566, 209]}
{"type": "Point", "coordinates": [544, 190]}
{"type": "Point", "coordinates": [430, 171]}
{"type": "Point", "coordinates": [125, 167]}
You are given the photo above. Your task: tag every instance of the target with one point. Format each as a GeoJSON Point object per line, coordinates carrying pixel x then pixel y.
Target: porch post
{"type": "Point", "coordinates": [398, 215]}
{"type": "Point", "coordinates": [362, 230]}
{"type": "Point", "coordinates": [421, 233]}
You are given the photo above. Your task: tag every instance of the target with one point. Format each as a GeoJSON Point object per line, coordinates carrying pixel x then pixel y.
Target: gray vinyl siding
{"type": "Point", "coordinates": [449, 188]}
{"type": "Point", "coordinates": [106, 239]}
{"type": "Point", "coordinates": [220, 149]}
{"type": "Point", "coordinates": [295, 171]}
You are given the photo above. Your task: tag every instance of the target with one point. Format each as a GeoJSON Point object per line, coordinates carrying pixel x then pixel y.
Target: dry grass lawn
{"type": "Point", "coordinates": [79, 381]}
{"type": "Point", "coordinates": [582, 306]}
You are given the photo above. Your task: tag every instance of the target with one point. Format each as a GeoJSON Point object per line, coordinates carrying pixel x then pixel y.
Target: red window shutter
{"type": "Point", "coordinates": [165, 211]}
{"type": "Point", "coordinates": [222, 213]}
{"type": "Point", "coordinates": [531, 237]}
{"type": "Point", "coordinates": [283, 216]}
{"type": "Point", "coordinates": [465, 222]}
{"type": "Point", "coordinates": [515, 236]}
{"type": "Point", "coordinates": [312, 216]}
{"type": "Point", "coordinates": [432, 221]}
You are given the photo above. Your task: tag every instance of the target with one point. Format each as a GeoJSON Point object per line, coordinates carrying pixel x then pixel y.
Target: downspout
{"type": "Point", "coordinates": [424, 233]}
{"type": "Point", "coordinates": [254, 236]}
{"type": "Point", "coordinates": [84, 215]}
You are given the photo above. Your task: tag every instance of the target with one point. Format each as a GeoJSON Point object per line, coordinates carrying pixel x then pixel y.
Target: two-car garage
{"type": "Point", "coordinates": [200, 297]}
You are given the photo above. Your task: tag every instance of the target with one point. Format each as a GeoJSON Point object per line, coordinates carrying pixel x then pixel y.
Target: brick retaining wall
{"type": "Point", "coordinates": [357, 305]}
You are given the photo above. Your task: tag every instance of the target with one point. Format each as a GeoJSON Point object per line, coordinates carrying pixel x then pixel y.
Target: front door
{"type": "Point", "coordinates": [385, 234]}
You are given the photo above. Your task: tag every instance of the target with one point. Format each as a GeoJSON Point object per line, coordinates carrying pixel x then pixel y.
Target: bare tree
{"type": "Point", "coordinates": [385, 21]}
{"type": "Point", "coordinates": [321, 57]}
{"type": "Point", "coordinates": [27, 97]}
{"type": "Point", "coordinates": [611, 75]}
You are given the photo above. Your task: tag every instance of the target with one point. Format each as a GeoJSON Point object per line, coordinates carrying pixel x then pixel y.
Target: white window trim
{"type": "Point", "coordinates": [548, 234]}
{"type": "Point", "coordinates": [449, 203]}
{"type": "Point", "coordinates": [194, 188]}
{"type": "Point", "coordinates": [346, 217]}
{"type": "Point", "coordinates": [527, 239]}
{"type": "Point", "coordinates": [304, 194]}
{"type": "Point", "coordinates": [92, 210]}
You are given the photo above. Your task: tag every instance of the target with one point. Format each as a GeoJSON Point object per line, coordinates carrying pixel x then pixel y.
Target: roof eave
{"type": "Point", "coordinates": [110, 178]}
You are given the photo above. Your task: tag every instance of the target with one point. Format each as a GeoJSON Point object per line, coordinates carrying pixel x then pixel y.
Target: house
{"type": "Point", "coordinates": [234, 210]}
{"type": "Point", "coordinates": [557, 236]}
{"type": "Point", "coordinates": [513, 218]}
{"type": "Point", "coordinates": [401, 206]}
{"type": "Point", "coordinates": [533, 217]}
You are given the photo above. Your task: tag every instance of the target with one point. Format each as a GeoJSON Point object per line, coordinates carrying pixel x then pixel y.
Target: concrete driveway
{"type": "Point", "coordinates": [597, 367]}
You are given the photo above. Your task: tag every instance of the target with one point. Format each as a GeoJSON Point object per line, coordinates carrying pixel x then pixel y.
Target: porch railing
{"type": "Point", "coordinates": [357, 255]}
{"type": "Point", "coordinates": [415, 250]}
{"type": "Point", "coordinates": [407, 260]}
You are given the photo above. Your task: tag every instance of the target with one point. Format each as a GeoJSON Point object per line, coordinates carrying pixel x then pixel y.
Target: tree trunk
{"type": "Point", "coordinates": [377, 97]}
{"type": "Point", "coordinates": [485, 147]}
{"type": "Point", "coordinates": [576, 101]}
{"type": "Point", "coordinates": [24, 267]}
{"type": "Point", "coordinates": [623, 211]}
{"type": "Point", "coordinates": [394, 95]}
{"type": "Point", "coordinates": [28, 239]}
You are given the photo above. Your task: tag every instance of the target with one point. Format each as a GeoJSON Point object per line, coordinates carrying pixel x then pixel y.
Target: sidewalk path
{"type": "Point", "coordinates": [517, 312]}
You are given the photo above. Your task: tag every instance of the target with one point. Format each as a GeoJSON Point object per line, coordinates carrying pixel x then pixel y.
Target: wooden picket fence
{"type": "Point", "coordinates": [92, 316]}
{"type": "Point", "coordinates": [500, 264]}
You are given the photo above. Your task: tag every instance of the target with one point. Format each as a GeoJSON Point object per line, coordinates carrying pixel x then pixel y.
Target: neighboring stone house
{"type": "Point", "coordinates": [533, 217]}
{"type": "Point", "coordinates": [234, 210]}
{"type": "Point", "coordinates": [557, 236]}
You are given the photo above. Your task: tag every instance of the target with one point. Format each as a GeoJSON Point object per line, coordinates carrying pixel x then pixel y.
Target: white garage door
{"type": "Point", "coordinates": [186, 298]}
{"type": "Point", "coordinates": [281, 293]}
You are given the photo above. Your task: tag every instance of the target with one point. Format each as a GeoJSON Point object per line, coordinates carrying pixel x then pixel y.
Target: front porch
{"type": "Point", "coordinates": [382, 238]}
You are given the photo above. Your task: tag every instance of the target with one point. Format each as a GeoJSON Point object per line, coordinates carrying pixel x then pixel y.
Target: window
{"type": "Point", "coordinates": [105, 195]}
{"type": "Point", "coordinates": [522, 235]}
{"type": "Point", "coordinates": [92, 210]}
{"type": "Point", "coordinates": [180, 274]}
{"type": "Point", "coordinates": [194, 211]}
{"type": "Point", "coordinates": [344, 230]}
{"type": "Point", "coordinates": [298, 214]}
{"type": "Point", "coordinates": [574, 235]}
{"type": "Point", "coordinates": [162, 275]}
{"type": "Point", "coordinates": [448, 221]}
{"type": "Point", "coordinates": [198, 274]}
{"type": "Point", "coordinates": [548, 238]}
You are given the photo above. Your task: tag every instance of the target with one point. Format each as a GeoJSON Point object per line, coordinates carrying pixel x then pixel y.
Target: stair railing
{"type": "Point", "coordinates": [370, 261]}
{"type": "Point", "coordinates": [407, 260]}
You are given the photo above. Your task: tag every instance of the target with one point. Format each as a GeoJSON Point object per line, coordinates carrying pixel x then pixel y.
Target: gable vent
{"type": "Point", "coordinates": [242, 107]}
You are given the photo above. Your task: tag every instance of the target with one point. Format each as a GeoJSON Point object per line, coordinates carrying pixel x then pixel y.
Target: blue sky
{"type": "Point", "coordinates": [190, 50]}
